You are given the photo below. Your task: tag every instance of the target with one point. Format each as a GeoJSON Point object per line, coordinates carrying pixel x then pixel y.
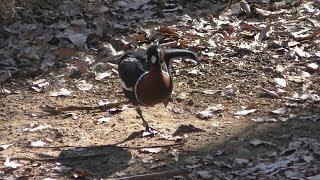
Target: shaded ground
{"type": "Point", "coordinates": [222, 146]}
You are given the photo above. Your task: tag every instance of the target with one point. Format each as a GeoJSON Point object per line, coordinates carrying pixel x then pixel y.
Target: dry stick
{"type": "Point", "coordinates": [54, 147]}
{"type": "Point", "coordinates": [181, 172]}
{"type": "Point", "coordinates": [124, 147]}
{"type": "Point", "coordinates": [158, 146]}
{"type": "Point", "coordinates": [59, 158]}
{"type": "Point", "coordinates": [55, 109]}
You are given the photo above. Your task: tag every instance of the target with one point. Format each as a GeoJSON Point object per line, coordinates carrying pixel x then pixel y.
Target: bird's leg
{"type": "Point", "coordinates": [144, 122]}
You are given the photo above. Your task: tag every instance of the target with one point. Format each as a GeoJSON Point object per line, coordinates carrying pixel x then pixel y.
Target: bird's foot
{"type": "Point", "coordinates": [149, 132]}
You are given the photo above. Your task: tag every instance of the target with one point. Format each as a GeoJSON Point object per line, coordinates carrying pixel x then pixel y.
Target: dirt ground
{"type": "Point", "coordinates": [224, 132]}
{"type": "Point", "coordinates": [79, 144]}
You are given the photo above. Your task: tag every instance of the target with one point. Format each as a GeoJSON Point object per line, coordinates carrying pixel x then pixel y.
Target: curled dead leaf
{"type": "Point", "coordinates": [138, 37]}
{"type": "Point", "coordinates": [167, 30]}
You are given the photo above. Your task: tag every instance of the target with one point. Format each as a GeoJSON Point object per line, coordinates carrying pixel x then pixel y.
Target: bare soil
{"type": "Point", "coordinates": [222, 132]}
{"type": "Point", "coordinates": [79, 146]}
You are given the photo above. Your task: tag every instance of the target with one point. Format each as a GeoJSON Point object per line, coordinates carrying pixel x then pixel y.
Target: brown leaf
{"type": "Point", "coordinates": [184, 43]}
{"type": "Point", "coordinates": [252, 106]}
{"type": "Point", "coordinates": [41, 42]}
{"type": "Point", "coordinates": [138, 37]}
{"type": "Point", "coordinates": [273, 8]}
{"type": "Point", "coordinates": [270, 93]}
{"type": "Point", "coordinates": [248, 27]}
{"type": "Point", "coordinates": [190, 35]}
{"type": "Point", "coordinates": [167, 30]}
{"type": "Point", "coordinates": [66, 52]}
{"type": "Point", "coordinates": [264, 33]}
{"type": "Point", "coordinates": [82, 66]}
{"type": "Point", "coordinates": [311, 36]}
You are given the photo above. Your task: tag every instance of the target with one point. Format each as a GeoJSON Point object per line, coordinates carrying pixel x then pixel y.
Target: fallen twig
{"type": "Point", "coordinates": [59, 158]}
{"type": "Point", "coordinates": [158, 146]}
{"type": "Point", "coordinates": [181, 172]}
{"type": "Point", "coordinates": [124, 147]}
{"type": "Point", "coordinates": [56, 109]}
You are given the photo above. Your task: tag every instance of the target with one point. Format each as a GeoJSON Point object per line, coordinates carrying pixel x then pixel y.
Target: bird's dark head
{"type": "Point", "coordinates": [155, 55]}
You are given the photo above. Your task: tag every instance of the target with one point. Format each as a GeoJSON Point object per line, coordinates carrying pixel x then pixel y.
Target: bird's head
{"type": "Point", "coordinates": [155, 55]}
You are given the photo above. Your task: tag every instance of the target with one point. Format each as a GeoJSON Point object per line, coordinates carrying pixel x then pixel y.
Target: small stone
{"type": "Point", "coordinates": [181, 97]}
{"type": "Point", "coordinates": [81, 23]}
{"type": "Point", "coordinates": [241, 162]}
{"type": "Point", "coordinates": [312, 67]}
{"type": "Point", "coordinates": [204, 174]}
{"type": "Point", "coordinates": [191, 160]}
{"type": "Point", "coordinates": [190, 102]}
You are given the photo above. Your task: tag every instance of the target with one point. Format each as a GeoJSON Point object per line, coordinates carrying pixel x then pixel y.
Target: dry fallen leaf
{"type": "Point", "coordinates": [257, 142]}
{"type": "Point", "coordinates": [5, 146]}
{"type": "Point", "coordinates": [66, 52]}
{"type": "Point", "coordinates": [300, 52]}
{"type": "Point", "coordinates": [264, 119]}
{"type": "Point", "coordinates": [83, 85]}
{"type": "Point", "coordinates": [151, 150]}
{"type": "Point", "coordinates": [264, 33]}
{"type": "Point", "coordinates": [60, 92]}
{"type": "Point", "coordinates": [38, 143]}
{"type": "Point", "coordinates": [104, 120]}
{"type": "Point", "coordinates": [36, 127]}
{"type": "Point", "coordinates": [312, 67]}
{"type": "Point", "coordinates": [147, 160]}
{"type": "Point", "coordinates": [100, 76]}
{"type": "Point", "coordinates": [270, 93]}
{"type": "Point", "coordinates": [204, 174]}
{"type": "Point", "coordinates": [244, 112]}
{"type": "Point", "coordinates": [11, 164]}
{"type": "Point", "coordinates": [158, 165]}
{"type": "Point", "coordinates": [138, 38]}
{"type": "Point", "coordinates": [230, 90]}
{"type": "Point", "coordinates": [280, 111]}
{"type": "Point", "coordinates": [82, 66]}
{"type": "Point", "coordinates": [175, 153]}
{"type": "Point", "coordinates": [167, 30]}
{"type": "Point", "coordinates": [280, 82]}
{"type": "Point", "coordinates": [77, 35]}
{"type": "Point", "coordinates": [208, 113]}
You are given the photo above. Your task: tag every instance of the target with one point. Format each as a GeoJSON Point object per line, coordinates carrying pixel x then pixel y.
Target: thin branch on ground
{"type": "Point", "coordinates": [57, 110]}
{"type": "Point", "coordinates": [124, 147]}
{"type": "Point", "coordinates": [158, 146]}
{"type": "Point", "coordinates": [59, 158]}
{"type": "Point", "coordinates": [166, 174]}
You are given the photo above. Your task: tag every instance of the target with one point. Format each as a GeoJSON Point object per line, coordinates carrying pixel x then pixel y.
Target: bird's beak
{"type": "Point", "coordinates": [171, 53]}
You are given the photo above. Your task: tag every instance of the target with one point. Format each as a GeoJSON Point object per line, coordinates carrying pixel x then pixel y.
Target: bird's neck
{"type": "Point", "coordinates": [157, 72]}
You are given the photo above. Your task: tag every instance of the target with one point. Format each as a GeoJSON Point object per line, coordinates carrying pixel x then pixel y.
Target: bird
{"type": "Point", "coordinates": [146, 77]}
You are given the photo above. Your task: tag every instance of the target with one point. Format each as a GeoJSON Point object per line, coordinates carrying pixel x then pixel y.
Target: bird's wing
{"type": "Point", "coordinates": [130, 69]}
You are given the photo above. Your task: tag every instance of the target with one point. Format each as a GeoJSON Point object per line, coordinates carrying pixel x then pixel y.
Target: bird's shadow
{"type": "Point", "coordinates": [97, 161]}
{"type": "Point", "coordinates": [132, 136]}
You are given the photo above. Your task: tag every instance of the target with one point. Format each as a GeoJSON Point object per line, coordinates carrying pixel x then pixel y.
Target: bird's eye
{"type": "Point", "coordinates": [153, 59]}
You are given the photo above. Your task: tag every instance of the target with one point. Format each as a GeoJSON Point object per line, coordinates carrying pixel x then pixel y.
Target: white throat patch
{"type": "Point", "coordinates": [153, 59]}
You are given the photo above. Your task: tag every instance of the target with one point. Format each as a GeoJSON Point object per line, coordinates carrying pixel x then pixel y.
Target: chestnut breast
{"type": "Point", "coordinates": [154, 88]}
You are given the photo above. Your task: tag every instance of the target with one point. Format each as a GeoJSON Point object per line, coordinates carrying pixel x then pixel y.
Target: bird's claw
{"type": "Point", "coordinates": [149, 132]}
